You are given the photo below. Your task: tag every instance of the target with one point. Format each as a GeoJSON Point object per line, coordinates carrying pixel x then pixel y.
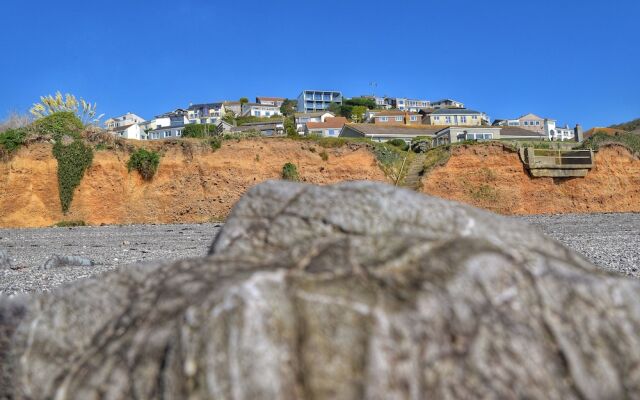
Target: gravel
{"type": "Point", "coordinates": [610, 241]}
{"type": "Point", "coordinates": [107, 246]}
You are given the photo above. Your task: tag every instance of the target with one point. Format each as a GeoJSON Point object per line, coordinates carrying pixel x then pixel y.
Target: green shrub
{"type": "Point", "coordinates": [290, 172]}
{"type": "Point", "coordinates": [215, 143]}
{"type": "Point", "coordinates": [145, 162]}
{"type": "Point", "coordinates": [199, 130]}
{"type": "Point", "coordinates": [73, 161]}
{"type": "Point", "coordinates": [69, 224]}
{"type": "Point", "coordinates": [630, 140]}
{"type": "Point", "coordinates": [59, 124]}
{"type": "Point", "coordinates": [399, 143]}
{"type": "Point", "coordinates": [324, 155]}
{"type": "Point", "coordinates": [12, 139]}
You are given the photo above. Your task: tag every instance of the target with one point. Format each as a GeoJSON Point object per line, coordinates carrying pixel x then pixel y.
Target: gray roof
{"type": "Point", "coordinates": [520, 132]}
{"type": "Point", "coordinates": [454, 111]}
{"type": "Point", "coordinates": [394, 130]}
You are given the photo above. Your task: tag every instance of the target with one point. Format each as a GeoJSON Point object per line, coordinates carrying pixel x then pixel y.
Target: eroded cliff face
{"type": "Point", "coordinates": [193, 184]}
{"type": "Point", "coordinates": [492, 177]}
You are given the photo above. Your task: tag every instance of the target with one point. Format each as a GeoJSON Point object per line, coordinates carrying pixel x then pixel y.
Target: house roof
{"type": "Point", "coordinates": [312, 114]}
{"type": "Point", "coordinates": [232, 103]}
{"type": "Point", "coordinates": [395, 130]}
{"type": "Point", "coordinates": [454, 111]}
{"type": "Point", "coordinates": [520, 132]}
{"type": "Point", "coordinates": [122, 128]}
{"type": "Point", "coordinates": [334, 122]}
{"type": "Point", "coordinates": [446, 100]}
{"type": "Point", "coordinates": [271, 98]}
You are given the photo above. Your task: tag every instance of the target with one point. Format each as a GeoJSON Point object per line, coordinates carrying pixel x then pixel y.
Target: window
{"type": "Point", "coordinates": [383, 119]}
{"type": "Point", "coordinates": [475, 117]}
{"type": "Point", "coordinates": [178, 133]}
{"type": "Point", "coordinates": [414, 118]}
{"type": "Point", "coordinates": [447, 120]}
{"type": "Point", "coordinates": [463, 119]}
{"type": "Point", "coordinates": [538, 123]}
{"type": "Point", "coordinates": [399, 119]}
{"type": "Point", "coordinates": [437, 118]}
{"type": "Point", "coordinates": [167, 133]}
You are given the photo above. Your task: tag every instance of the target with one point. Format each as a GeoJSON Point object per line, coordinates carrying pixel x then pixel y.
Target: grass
{"type": "Point", "coordinates": [629, 140]}
{"type": "Point", "coordinates": [484, 192]}
{"type": "Point", "coordinates": [436, 157]}
{"type": "Point", "coordinates": [69, 224]}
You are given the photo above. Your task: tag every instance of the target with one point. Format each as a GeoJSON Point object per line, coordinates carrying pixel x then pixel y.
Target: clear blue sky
{"type": "Point", "coordinates": [575, 61]}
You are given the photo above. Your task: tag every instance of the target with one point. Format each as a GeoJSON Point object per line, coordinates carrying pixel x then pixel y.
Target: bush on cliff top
{"type": "Point", "coordinates": [58, 125]}
{"type": "Point", "coordinates": [12, 139]}
{"type": "Point", "coordinates": [145, 162]}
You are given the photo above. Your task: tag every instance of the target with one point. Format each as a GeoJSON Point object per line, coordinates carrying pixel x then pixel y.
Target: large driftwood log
{"type": "Point", "coordinates": [350, 291]}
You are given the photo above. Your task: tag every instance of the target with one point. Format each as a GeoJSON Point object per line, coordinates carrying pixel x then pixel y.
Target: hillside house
{"type": "Point", "coordinates": [270, 101]}
{"type": "Point", "coordinates": [133, 131]}
{"type": "Point", "coordinates": [208, 113]}
{"type": "Point", "coordinates": [405, 104]}
{"type": "Point", "coordinates": [317, 100]}
{"type": "Point", "coordinates": [233, 106]}
{"type": "Point", "coordinates": [453, 116]}
{"type": "Point", "coordinates": [301, 119]}
{"type": "Point", "coordinates": [383, 133]}
{"type": "Point", "coordinates": [446, 103]}
{"type": "Point", "coordinates": [331, 127]}
{"type": "Point", "coordinates": [267, 128]}
{"type": "Point", "coordinates": [393, 117]}
{"type": "Point", "coordinates": [260, 110]}
{"type": "Point", "coordinates": [535, 123]}
{"type": "Point", "coordinates": [123, 120]}
{"type": "Point", "coordinates": [454, 134]}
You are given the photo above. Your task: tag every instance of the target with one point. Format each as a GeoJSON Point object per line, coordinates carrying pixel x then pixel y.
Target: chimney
{"type": "Point", "coordinates": [577, 133]}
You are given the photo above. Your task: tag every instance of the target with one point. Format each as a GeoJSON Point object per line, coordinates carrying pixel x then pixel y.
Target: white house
{"type": "Point", "coordinates": [260, 110]}
{"type": "Point", "coordinates": [331, 127]}
{"type": "Point", "coordinates": [447, 103]}
{"type": "Point", "coordinates": [207, 113]}
{"type": "Point", "coordinates": [123, 120]}
{"type": "Point", "coordinates": [302, 119]}
{"type": "Point", "coordinates": [133, 131]}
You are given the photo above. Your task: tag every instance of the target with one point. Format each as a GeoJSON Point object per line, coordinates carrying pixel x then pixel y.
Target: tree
{"type": "Point", "coordinates": [361, 101]}
{"type": "Point", "coordinates": [52, 104]}
{"type": "Point", "coordinates": [357, 113]}
{"type": "Point", "coordinates": [288, 107]}
{"type": "Point", "coordinates": [243, 100]}
{"type": "Point", "coordinates": [290, 127]}
{"type": "Point", "coordinates": [334, 108]}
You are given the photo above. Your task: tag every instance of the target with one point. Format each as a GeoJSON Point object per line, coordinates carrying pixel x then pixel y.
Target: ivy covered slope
{"type": "Point", "coordinates": [72, 154]}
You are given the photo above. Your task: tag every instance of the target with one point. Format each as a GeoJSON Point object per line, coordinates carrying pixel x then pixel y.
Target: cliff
{"type": "Point", "coordinates": [492, 177]}
{"type": "Point", "coordinates": [193, 183]}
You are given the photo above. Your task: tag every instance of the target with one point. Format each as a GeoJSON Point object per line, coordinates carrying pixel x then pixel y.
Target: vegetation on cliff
{"type": "Point", "coordinates": [145, 162]}
{"type": "Point", "coordinates": [629, 140]}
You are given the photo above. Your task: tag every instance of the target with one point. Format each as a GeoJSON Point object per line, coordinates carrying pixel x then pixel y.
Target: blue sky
{"type": "Point", "coordinates": [575, 61]}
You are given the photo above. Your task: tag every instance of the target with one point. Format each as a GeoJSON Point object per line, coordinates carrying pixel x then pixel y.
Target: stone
{"type": "Point", "coordinates": [356, 290]}
{"type": "Point", "coordinates": [5, 260]}
{"type": "Point", "coordinates": [57, 261]}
